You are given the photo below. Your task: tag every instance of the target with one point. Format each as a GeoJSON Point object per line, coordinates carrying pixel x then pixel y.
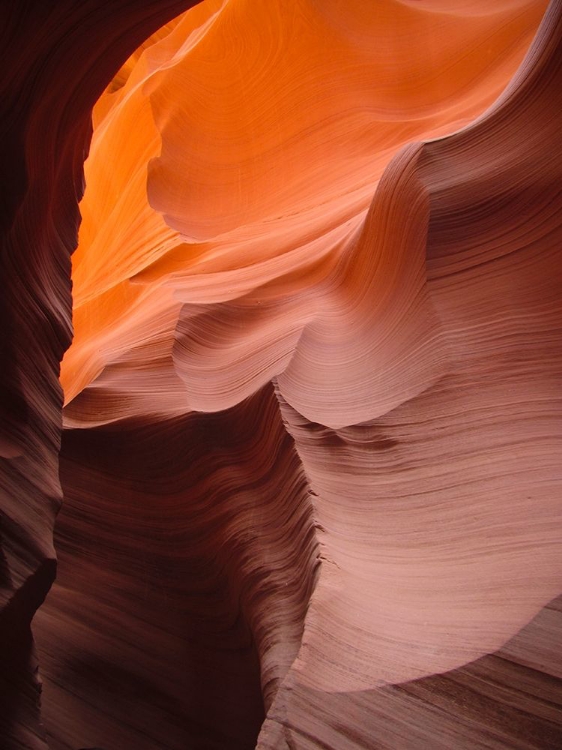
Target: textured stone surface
{"type": "Point", "coordinates": [310, 463]}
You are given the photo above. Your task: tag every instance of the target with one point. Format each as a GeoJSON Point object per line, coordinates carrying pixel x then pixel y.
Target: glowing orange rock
{"type": "Point", "coordinates": [311, 464]}
{"type": "Point", "coordinates": [232, 173]}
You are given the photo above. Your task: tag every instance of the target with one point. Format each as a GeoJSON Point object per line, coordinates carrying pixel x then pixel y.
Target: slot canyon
{"type": "Point", "coordinates": [281, 375]}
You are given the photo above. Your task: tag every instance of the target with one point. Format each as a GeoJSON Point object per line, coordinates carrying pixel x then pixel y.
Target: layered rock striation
{"type": "Point", "coordinates": [312, 424]}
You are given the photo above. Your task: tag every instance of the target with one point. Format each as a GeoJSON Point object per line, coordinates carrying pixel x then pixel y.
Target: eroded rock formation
{"type": "Point", "coordinates": [56, 61]}
{"type": "Point", "coordinates": [312, 424]}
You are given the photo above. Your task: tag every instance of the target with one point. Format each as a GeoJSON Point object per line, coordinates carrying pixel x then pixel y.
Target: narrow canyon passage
{"type": "Point", "coordinates": [186, 560]}
{"type": "Point", "coordinates": [310, 476]}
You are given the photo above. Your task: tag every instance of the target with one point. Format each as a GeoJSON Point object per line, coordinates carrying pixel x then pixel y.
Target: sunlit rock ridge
{"type": "Point", "coordinates": [281, 403]}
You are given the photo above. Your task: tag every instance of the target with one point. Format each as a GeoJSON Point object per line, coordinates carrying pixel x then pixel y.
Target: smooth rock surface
{"type": "Point", "coordinates": [309, 455]}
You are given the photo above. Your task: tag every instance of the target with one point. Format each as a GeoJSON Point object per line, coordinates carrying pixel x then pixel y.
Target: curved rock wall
{"type": "Point", "coordinates": [56, 59]}
{"type": "Point", "coordinates": [312, 426]}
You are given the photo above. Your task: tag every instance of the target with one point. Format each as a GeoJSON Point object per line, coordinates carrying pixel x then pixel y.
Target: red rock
{"type": "Point", "coordinates": [312, 427]}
